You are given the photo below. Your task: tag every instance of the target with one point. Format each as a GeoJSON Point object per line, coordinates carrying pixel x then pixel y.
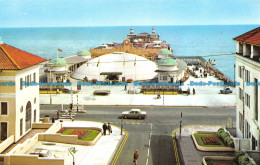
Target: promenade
{"type": "Point", "coordinates": [207, 96]}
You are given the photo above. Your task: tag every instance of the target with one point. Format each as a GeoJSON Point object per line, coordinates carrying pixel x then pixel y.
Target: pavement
{"type": "Point", "coordinates": [118, 96]}
{"type": "Point", "coordinates": [102, 153]}
{"type": "Point", "coordinates": [189, 154]}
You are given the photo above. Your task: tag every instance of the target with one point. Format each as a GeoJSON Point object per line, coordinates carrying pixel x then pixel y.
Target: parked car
{"type": "Point", "coordinates": [134, 114]}
{"type": "Point", "coordinates": [226, 91]}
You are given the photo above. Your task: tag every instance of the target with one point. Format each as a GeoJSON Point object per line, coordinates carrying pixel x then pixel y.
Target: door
{"type": "Point", "coordinates": [253, 143]}
{"type": "Point", "coordinates": [3, 131]}
{"type": "Point", "coordinates": [28, 119]}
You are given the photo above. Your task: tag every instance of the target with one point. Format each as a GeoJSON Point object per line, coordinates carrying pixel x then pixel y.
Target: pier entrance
{"type": "Point", "coordinates": [111, 76]}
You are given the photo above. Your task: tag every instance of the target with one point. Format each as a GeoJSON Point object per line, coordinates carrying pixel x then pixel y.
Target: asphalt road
{"type": "Point", "coordinates": [152, 136]}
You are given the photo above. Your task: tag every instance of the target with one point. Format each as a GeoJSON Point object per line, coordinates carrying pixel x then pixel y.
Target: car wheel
{"type": "Point", "coordinates": [125, 117]}
{"type": "Point", "coordinates": [140, 117]}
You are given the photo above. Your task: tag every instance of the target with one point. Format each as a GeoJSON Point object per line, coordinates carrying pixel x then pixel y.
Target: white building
{"type": "Point", "coordinates": [19, 103]}
{"type": "Point", "coordinates": [171, 70]}
{"type": "Point", "coordinates": [247, 69]}
{"type": "Point", "coordinates": [57, 70]}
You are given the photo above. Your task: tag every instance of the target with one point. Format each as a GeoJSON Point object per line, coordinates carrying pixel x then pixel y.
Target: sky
{"type": "Point", "coordinates": [73, 13]}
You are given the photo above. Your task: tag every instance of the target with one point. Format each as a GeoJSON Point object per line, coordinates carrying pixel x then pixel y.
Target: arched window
{"type": "Point", "coordinates": [28, 117]}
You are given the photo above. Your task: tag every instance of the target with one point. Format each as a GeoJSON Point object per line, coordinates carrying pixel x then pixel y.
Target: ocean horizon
{"type": "Point", "coordinates": [209, 41]}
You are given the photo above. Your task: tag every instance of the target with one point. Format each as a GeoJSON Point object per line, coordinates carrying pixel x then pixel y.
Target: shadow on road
{"type": "Point", "coordinates": [162, 150]}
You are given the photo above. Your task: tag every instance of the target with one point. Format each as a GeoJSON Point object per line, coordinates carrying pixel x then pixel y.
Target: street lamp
{"type": "Point", "coordinates": [50, 65]}
{"type": "Point", "coordinates": [72, 151]}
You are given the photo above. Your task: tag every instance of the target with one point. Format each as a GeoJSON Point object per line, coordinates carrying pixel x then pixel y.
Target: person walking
{"type": "Point", "coordinates": [104, 129]}
{"type": "Point", "coordinates": [109, 128]}
{"type": "Point", "coordinates": [136, 155]}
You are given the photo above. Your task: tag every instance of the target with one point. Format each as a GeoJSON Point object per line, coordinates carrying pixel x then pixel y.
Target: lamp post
{"type": "Point", "coordinates": [77, 103]}
{"type": "Point", "coordinates": [50, 64]}
{"type": "Point", "coordinates": [180, 125]}
{"type": "Point", "coordinates": [72, 151]}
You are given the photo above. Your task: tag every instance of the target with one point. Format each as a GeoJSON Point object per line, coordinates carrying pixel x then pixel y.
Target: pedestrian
{"type": "Point", "coordinates": [193, 91]}
{"type": "Point", "coordinates": [109, 128]}
{"type": "Point", "coordinates": [104, 129]}
{"type": "Point", "coordinates": [136, 155]}
{"type": "Point", "coordinates": [188, 91]}
{"type": "Point", "coordinates": [57, 91]}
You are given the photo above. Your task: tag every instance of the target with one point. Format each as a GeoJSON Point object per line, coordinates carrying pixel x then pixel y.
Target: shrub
{"type": "Point", "coordinates": [220, 131]}
{"type": "Point", "coordinates": [243, 160]}
{"type": "Point", "coordinates": [230, 143]}
{"type": "Point", "coordinates": [226, 139]}
{"type": "Point", "coordinates": [223, 135]}
{"type": "Point", "coordinates": [238, 154]}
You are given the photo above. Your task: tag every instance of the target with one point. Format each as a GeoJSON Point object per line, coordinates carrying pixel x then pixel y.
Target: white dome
{"type": "Point", "coordinates": [142, 70]}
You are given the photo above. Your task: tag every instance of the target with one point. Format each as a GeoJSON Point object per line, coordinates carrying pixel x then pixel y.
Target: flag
{"type": "Point", "coordinates": [124, 62]}
{"type": "Point", "coordinates": [135, 61]}
{"type": "Point", "coordinates": [98, 62]}
{"type": "Point", "coordinates": [59, 50]}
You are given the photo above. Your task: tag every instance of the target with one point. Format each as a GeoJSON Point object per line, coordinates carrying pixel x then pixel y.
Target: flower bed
{"type": "Point", "coordinates": [78, 132]}
{"type": "Point", "coordinates": [84, 134]}
{"type": "Point", "coordinates": [210, 140]}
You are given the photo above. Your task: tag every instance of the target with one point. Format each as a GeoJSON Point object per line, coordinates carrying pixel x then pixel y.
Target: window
{"type": "Point", "coordinates": [3, 131]}
{"type": "Point", "coordinates": [34, 77]}
{"type": "Point", "coordinates": [30, 79]}
{"type": "Point", "coordinates": [21, 109]}
{"type": "Point", "coordinates": [247, 75]}
{"type": "Point", "coordinates": [247, 100]}
{"type": "Point", "coordinates": [240, 71]}
{"type": "Point", "coordinates": [240, 121]}
{"type": "Point", "coordinates": [3, 108]}
{"type": "Point", "coordinates": [240, 94]}
{"type": "Point", "coordinates": [21, 83]}
{"type": "Point", "coordinates": [35, 100]}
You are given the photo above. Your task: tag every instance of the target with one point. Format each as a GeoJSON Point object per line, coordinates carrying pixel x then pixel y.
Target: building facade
{"type": "Point", "coordinates": [247, 68]}
{"type": "Point", "coordinates": [19, 102]}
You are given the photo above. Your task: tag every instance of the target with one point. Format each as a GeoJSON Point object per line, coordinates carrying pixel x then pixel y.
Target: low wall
{"type": "Point", "coordinates": [216, 158]}
{"type": "Point", "coordinates": [31, 160]}
{"type": "Point", "coordinates": [201, 148]}
{"type": "Point", "coordinates": [5, 144]}
{"type": "Point", "coordinates": [70, 139]}
{"type": "Point", "coordinates": [41, 125]}
{"type": "Point", "coordinates": [22, 148]}
{"type": "Point", "coordinates": [54, 128]}
{"type": "Point", "coordinates": [90, 143]}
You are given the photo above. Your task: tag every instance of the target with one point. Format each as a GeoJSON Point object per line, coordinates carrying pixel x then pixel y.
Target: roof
{"type": "Point", "coordinates": [83, 52]}
{"type": "Point", "coordinates": [167, 61]}
{"type": "Point", "coordinates": [74, 59]}
{"type": "Point", "coordinates": [58, 62]}
{"type": "Point", "coordinates": [251, 37]}
{"type": "Point", "coordinates": [12, 58]}
{"type": "Point", "coordinates": [165, 52]}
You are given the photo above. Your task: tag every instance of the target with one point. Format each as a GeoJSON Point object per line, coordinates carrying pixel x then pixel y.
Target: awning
{"type": "Point", "coordinates": [111, 73]}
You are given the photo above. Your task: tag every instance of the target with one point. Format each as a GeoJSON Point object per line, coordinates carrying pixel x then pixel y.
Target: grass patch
{"type": "Point", "coordinates": [222, 162]}
{"type": "Point", "coordinates": [89, 136]}
{"type": "Point", "coordinates": [198, 137]}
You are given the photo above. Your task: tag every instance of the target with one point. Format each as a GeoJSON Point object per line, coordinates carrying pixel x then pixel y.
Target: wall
{"type": "Point", "coordinates": [41, 125]}
{"type": "Point", "coordinates": [70, 139]}
{"type": "Point", "coordinates": [6, 143]}
{"type": "Point", "coordinates": [31, 160]}
{"type": "Point", "coordinates": [22, 148]}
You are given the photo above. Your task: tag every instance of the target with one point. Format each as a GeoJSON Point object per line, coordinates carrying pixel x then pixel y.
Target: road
{"type": "Point", "coordinates": [152, 136]}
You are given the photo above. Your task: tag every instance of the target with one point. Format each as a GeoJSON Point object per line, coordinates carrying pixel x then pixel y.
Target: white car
{"type": "Point", "coordinates": [134, 114]}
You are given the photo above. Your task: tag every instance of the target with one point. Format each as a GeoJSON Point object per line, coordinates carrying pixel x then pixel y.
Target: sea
{"type": "Point", "coordinates": [210, 41]}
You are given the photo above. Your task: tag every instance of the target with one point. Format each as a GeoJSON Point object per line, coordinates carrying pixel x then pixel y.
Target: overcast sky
{"type": "Point", "coordinates": [60, 13]}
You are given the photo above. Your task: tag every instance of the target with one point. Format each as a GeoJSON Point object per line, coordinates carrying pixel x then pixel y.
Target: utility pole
{"type": "Point", "coordinates": [243, 97]}
{"type": "Point", "coordinates": [180, 125]}
{"type": "Point", "coordinates": [77, 103]}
